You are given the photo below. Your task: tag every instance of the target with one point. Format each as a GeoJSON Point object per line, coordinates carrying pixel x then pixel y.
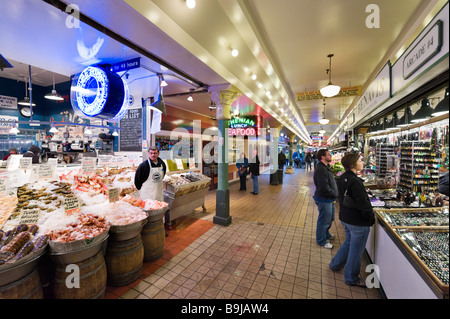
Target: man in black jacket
{"type": "Point", "coordinates": [254, 172]}
{"type": "Point", "coordinates": [325, 196]}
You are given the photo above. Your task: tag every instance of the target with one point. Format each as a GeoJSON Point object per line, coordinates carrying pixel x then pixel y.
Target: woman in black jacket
{"type": "Point", "coordinates": [356, 217]}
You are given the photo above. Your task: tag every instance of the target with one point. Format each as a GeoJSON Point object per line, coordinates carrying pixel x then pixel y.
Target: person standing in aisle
{"type": "Point", "coordinates": [308, 160]}
{"type": "Point", "coordinates": [242, 166]}
{"type": "Point", "coordinates": [315, 159]}
{"type": "Point", "coordinates": [356, 217]}
{"type": "Point", "coordinates": [254, 171]}
{"type": "Point", "coordinates": [281, 160]}
{"type": "Point", "coordinates": [149, 176]}
{"type": "Point", "coordinates": [325, 196]}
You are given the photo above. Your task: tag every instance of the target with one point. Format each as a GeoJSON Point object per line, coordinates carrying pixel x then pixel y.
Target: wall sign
{"type": "Point", "coordinates": [97, 92]}
{"type": "Point", "coordinates": [249, 125]}
{"type": "Point", "coordinates": [8, 102]}
{"type": "Point", "coordinates": [130, 133]}
{"type": "Point", "coordinates": [427, 47]}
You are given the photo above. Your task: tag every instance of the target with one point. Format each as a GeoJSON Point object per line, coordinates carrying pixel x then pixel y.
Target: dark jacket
{"type": "Point", "coordinates": [240, 163]}
{"type": "Point", "coordinates": [254, 166]}
{"type": "Point", "coordinates": [34, 153]}
{"type": "Point", "coordinates": [143, 171]}
{"type": "Point", "coordinates": [362, 216]}
{"type": "Point", "coordinates": [281, 158]}
{"type": "Point", "coordinates": [443, 184]}
{"type": "Point", "coordinates": [326, 188]}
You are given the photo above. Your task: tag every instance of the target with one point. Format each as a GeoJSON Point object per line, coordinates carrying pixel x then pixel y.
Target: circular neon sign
{"type": "Point", "coordinates": [98, 92]}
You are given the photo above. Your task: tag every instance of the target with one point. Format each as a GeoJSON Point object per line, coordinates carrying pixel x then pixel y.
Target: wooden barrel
{"type": "Point", "coordinates": [29, 287]}
{"type": "Point", "coordinates": [154, 239]}
{"type": "Point", "coordinates": [83, 280]}
{"type": "Point", "coordinates": [124, 260]}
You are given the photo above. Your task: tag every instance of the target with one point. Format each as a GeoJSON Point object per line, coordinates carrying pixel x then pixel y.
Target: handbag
{"type": "Point", "coordinates": [242, 170]}
{"type": "Point", "coordinates": [348, 201]}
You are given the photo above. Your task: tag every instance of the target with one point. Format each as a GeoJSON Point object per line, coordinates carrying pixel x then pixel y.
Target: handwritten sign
{"type": "Point", "coordinates": [118, 161]}
{"type": "Point", "coordinates": [46, 171]}
{"type": "Point", "coordinates": [191, 163]}
{"type": "Point", "coordinates": [179, 163]}
{"type": "Point", "coordinates": [104, 160]}
{"type": "Point", "coordinates": [52, 161]}
{"type": "Point", "coordinates": [30, 216]}
{"type": "Point", "coordinates": [3, 184]}
{"type": "Point", "coordinates": [71, 205]}
{"type": "Point", "coordinates": [13, 161]}
{"type": "Point", "coordinates": [88, 165]}
{"type": "Point", "coordinates": [26, 163]}
{"type": "Point", "coordinates": [113, 195]}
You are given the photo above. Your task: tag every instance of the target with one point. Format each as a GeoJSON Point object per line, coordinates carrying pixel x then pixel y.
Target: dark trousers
{"type": "Point", "coordinates": [243, 180]}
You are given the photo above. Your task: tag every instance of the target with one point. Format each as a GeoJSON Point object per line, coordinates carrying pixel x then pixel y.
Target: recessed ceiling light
{"type": "Point", "coordinates": [234, 52]}
{"type": "Point", "coordinates": [190, 4]}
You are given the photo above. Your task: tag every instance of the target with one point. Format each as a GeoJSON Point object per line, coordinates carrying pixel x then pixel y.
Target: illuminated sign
{"type": "Point", "coordinates": [97, 92]}
{"type": "Point", "coordinates": [250, 125]}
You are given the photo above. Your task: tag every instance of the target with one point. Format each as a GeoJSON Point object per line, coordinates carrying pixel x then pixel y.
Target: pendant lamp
{"type": "Point", "coordinates": [330, 90]}
{"type": "Point", "coordinates": [393, 123]}
{"type": "Point", "coordinates": [424, 113]}
{"type": "Point", "coordinates": [54, 95]}
{"type": "Point", "coordinates": [406, 119]}
{"type": "Point", "coordinates": [442, 107]}
{"type": "Point", "coordinates": [324, 120]}
{"type": "Point", "coordinates": [26, 100]}
{"type": "Point", "coordinates": [159, 105]}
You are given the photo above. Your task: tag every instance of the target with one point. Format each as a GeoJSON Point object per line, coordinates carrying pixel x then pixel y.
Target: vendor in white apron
{"type": "Point", "coordinates": [149, 176]}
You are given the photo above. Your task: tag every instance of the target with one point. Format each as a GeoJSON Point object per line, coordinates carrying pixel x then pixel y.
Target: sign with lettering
{"type": "Point", "coordinates": [427, 47]}
{"type": "Point", "coordinates": [3, 184]}
{"type": "Point", "coordinates": [179, 163]}
{"type": "Point", "coordinates": [126, 65]}
{"type": "Point", "coordinates": [46, 171]}
{"type": "Point", "coordinates": [105, 160]}
{"type": "Point", "coordinates": [316, 95]}
{"type": "Point", "coordinates": [71, 205]}
{"type": "Point", "coordinates": [26, 163]}
{"type": "Point", "coordinates": [130, 134]}
{"type": "Point", "coordinates": [88, 165]}
{"type": "Point", "coordinates": [13, 161]}
{"type": "Point", "coordinates": [8, 102]}
{"type": "Point", "coordinates": [376, 94]}
{"type": "Point", "coordinates": [30, 216]}
{"type": "Point", "coordinates": [113, 194]}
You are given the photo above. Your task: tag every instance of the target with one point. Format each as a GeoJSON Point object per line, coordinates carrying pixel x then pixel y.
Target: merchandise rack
{"type": "Point", "coordinates": [419, 166]}
{"type": "Point", "coordinates": [383, 151]}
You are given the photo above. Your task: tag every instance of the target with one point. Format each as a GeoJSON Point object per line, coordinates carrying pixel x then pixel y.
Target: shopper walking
{"type": "Point", "coordinates": [149, 176]}
{"type": "Point", "coordinates": [356, 216]}
{"type": "Point", "coordinates": [308, 160]}
{"type": "Point", "coordinates": [254, 171]}
{"type": "Point", "coordinates": [315, 159]}
{"type": "Point", "coordinates": [242, 166]}
{"type": "Point", "coordinates": [325, 196]}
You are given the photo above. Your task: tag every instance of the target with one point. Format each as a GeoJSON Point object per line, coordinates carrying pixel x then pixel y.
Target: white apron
{"type": "Point", "coordinates": [152, 188]}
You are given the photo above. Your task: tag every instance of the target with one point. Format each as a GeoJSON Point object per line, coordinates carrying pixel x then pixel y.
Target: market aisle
{"type": "Point", "coordinates": [268, 251]}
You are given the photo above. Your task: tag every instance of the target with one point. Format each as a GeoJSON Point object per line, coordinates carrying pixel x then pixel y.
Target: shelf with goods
{"type": "Point", "coordinates": [421, 235]}
{"type": "Point", "coordinates": [79, 214]}
{"type": "Point", "coordinates": [383, 151]}
{"type": "Point", "coordinates": [419, 166]}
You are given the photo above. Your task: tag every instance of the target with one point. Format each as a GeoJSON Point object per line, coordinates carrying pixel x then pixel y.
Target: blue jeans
{"type": "Point", "coordinates": [349, 255]}
{"type": "Point", "coordinates": [255, 184]}
{"type": "Point", "coordinates": [326, 217]}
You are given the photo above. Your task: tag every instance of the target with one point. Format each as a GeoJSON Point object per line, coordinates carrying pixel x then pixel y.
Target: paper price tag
{"type": "Point", "coordinates": [104, 160]}
{"type": "Point", "coordinates": [46, 171]}
{"type": "Point", "coordinates": [179, 163]}
{"type": "Point", "coordinates": [4, 184]}
{"type": "Point", "coordinates": [191, 163]}
{"type": "Point", "coordinates": [30, 216]}
{"type": "Point", "coordinates": [52, 161]}
{"type": "Point", "coordinates": [88, 165]}
{"type": "Point", "coordinates": [71, 205]}
{"type": "Point", "coordinates": [113, 195]}
{"type": "Point", "coordinates": [26, 163]}
{"type": "Point", "coordinates": [13, 161]}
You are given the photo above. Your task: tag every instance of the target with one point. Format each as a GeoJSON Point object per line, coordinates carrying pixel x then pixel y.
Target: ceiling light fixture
{"type": "Point", "coordinates": [159, 104]}
{"type": "Point", "coordinates": [190, 4]}
{"type": "Point", "coordinates": [254, 77]}
{"type": "Point", "coordinates": [234, 52]}
{"type": "Point", "coordinates": [322, 131]}
{"type": "Point", "coordinates": [115, 133]}
{"type": "Point", "coordinates": [54, 95]}
{"type": "Point", "coordinates": [190, 98]}
{"type": "Point", "coordinates": [324, 120]}
{"type": "Point", "coordinates": [406, 119]}
{"type": "Point", "coordinates": [330, 90]}
{"type": "Point", "coordinates": [424, 113]}
{"type": "Point", "coordinates": [14, 129]}
{"type": "Point", "coordinates": [442, 107]}
{"type": "Point", "coordinates": [87, 131]}
{"type": "Point", "coordinates": [53, 129]}
{"type": "Point", "coordinates": [163, 82]}
{"type": "Point", "coordinates": [26, 100]}
{"type": "Point", "coordinates": [393, 123]}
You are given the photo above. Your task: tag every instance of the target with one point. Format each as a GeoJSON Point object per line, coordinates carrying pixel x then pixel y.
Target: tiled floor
{"type": "Point", "coordinates": [267, 252]}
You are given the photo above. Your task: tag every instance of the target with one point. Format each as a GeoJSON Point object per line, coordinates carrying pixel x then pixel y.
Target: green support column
{"type": "Point", "coordinates": [223, 96]}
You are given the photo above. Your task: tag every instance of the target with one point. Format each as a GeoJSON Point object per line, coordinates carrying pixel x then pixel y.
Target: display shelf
{"type": "Point", "coordinates": [422, 235]}
{"type": "Point", "coordinates": [383, 151]}
{"type": "Point", "coordinates": [419, 166]}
